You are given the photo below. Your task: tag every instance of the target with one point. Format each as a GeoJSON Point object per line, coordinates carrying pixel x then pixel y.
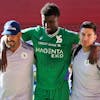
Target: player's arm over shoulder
{"type": "Point", "coordinates": [73, 35]}
{"type": "Point", "coordinates": [30, 33]}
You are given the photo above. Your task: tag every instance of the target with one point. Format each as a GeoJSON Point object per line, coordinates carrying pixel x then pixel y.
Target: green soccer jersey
{"type": "Point", "coordinates": [53, 54]}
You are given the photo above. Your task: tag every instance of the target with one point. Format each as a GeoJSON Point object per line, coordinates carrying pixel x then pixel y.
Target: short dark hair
{"type": "Point", "coordinates": [88, 24]}
{"type": "Point", "coordinates": [95, 49]}
{"type": "Point", "coordinates": [50, 9]}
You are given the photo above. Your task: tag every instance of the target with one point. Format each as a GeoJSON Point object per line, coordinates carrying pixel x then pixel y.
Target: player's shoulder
{"type": "Point", "coordinates": [27, 46]}
{"type": "Point", "coordinates": [67, 31]}
{"type": "Point", "coordinates": [31, 29]}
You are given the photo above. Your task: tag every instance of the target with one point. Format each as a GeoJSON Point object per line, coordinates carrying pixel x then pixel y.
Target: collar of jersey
{"type": "Point", "coordinates": [54, 34]}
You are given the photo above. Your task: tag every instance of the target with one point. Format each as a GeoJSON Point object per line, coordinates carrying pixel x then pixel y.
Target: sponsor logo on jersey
{"type": "Point", "coordinates": [54, 53]}
{"type": "Point", "coordinates": [49, 44]}
{"type": "Point", "coordinates": [41, 37]}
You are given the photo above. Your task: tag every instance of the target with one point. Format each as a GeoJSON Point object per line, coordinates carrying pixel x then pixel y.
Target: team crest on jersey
{"type": "Point", "coordinates": [59, 39]}
{"type": "Point", "coordinates": [24, 55]}
{"type": "Point", "coordinates": [86, 62]}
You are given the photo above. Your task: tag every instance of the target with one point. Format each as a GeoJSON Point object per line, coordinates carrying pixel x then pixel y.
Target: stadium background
{"type": "Point", "coordinates": [73, 12]}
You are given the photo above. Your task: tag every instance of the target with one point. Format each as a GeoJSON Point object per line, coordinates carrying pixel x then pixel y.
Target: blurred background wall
{"type": "Point", "coordinates": [73, 12]}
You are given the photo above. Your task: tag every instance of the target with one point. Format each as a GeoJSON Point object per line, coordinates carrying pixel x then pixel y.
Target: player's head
{"type": "Point", "coordinates": [87, 33]}
{"type": "Point", "coordinates": [12, 33]}
{"type": "Point", "coordinates": [50, 14]}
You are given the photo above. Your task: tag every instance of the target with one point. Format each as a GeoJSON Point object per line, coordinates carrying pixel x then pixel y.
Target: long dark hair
{"type": "Point", "coordinates": [94, 54]}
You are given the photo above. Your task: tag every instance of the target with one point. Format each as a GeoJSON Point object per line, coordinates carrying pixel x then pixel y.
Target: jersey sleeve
{"type": "Point", "coordinates": [31, 33]}
{"type": "Point", "coordinates": [75, 36]}
{"type": "Point", "coordinates": [27, 33]}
